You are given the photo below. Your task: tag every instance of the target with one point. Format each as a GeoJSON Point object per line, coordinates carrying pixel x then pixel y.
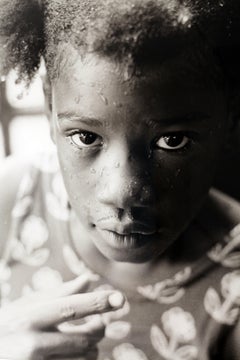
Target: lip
{"type": "Point", "coordinates": [128, 229]}
{"type": "Point", "coordinates": [130, 240]}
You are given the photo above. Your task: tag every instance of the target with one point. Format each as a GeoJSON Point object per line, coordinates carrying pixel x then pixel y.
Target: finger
{"type": "Point", "coordinates": [92, 354]}
{"type": "Point", "coordinates": [90, 327]}
{"type": "Point", "coordinates": [77, 285]}
{"type": "Point", "coordinates": [74, 307]}
{"type": "Point", "coordinates": [71, 287]}
{"type": "Point", "coordinates": [56, 343]}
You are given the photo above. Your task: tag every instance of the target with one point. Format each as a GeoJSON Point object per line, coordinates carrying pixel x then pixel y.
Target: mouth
{"type": "Point", "coordinates": [125, 240]}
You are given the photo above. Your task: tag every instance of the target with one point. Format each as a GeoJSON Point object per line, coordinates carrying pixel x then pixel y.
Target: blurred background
{"type": "Point", "coordinates": [23, 125]}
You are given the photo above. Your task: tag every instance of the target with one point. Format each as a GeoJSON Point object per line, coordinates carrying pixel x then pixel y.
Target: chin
{"type": "Point", "coordinates": [137, 255]}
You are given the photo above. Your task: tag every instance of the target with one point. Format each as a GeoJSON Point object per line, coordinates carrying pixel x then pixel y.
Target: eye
{"type": "Point", "coordinates": [173, 141]}
{"type": "Point", "coordinates": [86, 139]}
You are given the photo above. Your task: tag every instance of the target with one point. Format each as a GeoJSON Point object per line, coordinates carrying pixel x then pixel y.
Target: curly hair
{"type": "Point", "coordinates": [143, 30]}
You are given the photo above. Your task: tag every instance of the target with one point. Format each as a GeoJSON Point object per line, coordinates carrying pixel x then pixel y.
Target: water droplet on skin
{"type": "Point", "coordinates": [138, 72]}
{"type": "Point", "coordinates": [20, 96]}
{"type": "Point", "coordinates": [128, 72]}
{"type": "Point", "coordinates": [221, 3]}
{"type": "Point", "coordinates": [106, 123]}
{"type": "Point", "coordinates": [117, 165]}
{"type": "Point", "coordinates": [117, 105]}
{"type": "Point", "coordinates": [92, 170]}
{"type": "Point", "coordinates": [103, 98]}
{"type": "Point", "coordinates": [77, 99]}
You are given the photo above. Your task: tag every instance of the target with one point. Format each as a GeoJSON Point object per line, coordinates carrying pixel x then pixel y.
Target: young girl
{"type": "Point", "coordinates": [131, 248]}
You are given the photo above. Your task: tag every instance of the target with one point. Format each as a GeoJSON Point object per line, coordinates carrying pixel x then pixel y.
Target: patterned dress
{"type": "Point", "coordinates": [184, 317]}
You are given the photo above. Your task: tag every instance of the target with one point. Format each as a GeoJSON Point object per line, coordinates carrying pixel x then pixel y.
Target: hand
{"type": "Point", "coordinates": [35, 327]}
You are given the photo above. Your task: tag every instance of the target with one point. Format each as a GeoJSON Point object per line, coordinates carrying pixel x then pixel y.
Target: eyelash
{"type": "Point", "coordinates": [82, 145]}
{"type": "Point", "coordinates": [185, 135]}
{"type": "Point", "coordinates": [187, 140]}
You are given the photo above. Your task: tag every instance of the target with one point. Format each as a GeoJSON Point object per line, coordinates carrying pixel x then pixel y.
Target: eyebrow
{"type": "Point", "coordinates": [183, 119]}
{"type": "Point", "coordinates": [74, 117]}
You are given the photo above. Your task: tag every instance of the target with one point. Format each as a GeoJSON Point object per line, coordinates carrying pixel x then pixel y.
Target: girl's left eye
{"type": "Point", "coordinates": [172, 141]}
{"type": "Point", "coordinates": [86, 139]}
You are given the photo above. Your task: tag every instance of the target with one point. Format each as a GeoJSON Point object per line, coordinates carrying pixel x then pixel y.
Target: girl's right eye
{"type": "Point", "coordinates": [86, 139]}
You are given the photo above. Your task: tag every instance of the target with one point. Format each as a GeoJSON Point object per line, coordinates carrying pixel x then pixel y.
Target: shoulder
{"type": "Point", "coordinates": [12, 172]}
{"type": "Point", "coordinates": [220, 214]}
{"type": "Point", "coordinates": [229, 206]}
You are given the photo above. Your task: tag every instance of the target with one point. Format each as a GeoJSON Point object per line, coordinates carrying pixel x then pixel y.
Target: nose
{"type": "Point", "coordinates": [125, 185]}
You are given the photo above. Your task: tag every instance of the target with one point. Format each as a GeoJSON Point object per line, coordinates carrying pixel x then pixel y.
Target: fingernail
{"type": "Point", "coordinates": [116, 299]}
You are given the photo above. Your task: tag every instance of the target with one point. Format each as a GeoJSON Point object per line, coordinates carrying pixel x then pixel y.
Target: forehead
{"type": "Point", "coordinates": [92, 78]}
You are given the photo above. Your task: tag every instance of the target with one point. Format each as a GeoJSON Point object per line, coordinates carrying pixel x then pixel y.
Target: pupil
{"type": "Point", "coordinates": [173, 140]}
{"type": "Point", "coordinates": [87, 138]}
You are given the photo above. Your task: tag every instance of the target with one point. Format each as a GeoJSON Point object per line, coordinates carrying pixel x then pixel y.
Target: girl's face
{"type": "Point", "coordinates": [137, 152]}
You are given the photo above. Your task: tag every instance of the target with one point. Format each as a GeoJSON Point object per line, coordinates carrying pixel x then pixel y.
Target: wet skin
{"type": "Point", "coordinates": [137, 154]}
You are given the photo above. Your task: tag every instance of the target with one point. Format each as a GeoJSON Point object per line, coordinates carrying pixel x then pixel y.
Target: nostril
{"type": "Point", "coordinates": [120, 213]}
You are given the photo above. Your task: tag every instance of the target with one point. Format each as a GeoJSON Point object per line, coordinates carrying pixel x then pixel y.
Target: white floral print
{"type": "Point", "coordinates": [46, 278]}
{"type": "Point", "coordinates": [43, 279]}
{"type": "Point", "coordinates": [179, 326]}
{"type": "Point", "coordinates": [74, 264]}
{"type": "Point", "coordinates": [33, 233]}
{"type": "Point", "coordinates": [167, 291]}
{"type": "Point", "coordinates": [128, 352]}
{"type": "Point", "coordinates": [57, 199]}
{"type": "Point", "coordinates": [55, 208]}
{"type": "Point", "coordinates": [118, 330]}
{"type": "Point", "coordinates": [228, 254]}
{"type": "Point", "coordinates": [225, 312]}
{"type": "Point", "coordinates": [28, 248]}
{"type": "Point", "coordinates": [5, 287]}
{"type": "Point", "coordinates": [22, 207]}
{"type": "Point", "coordinates": [26, 186]}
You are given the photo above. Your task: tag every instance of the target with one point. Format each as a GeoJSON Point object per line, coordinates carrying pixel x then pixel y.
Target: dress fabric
{"type": "Point", "coordinates": [185, 317]}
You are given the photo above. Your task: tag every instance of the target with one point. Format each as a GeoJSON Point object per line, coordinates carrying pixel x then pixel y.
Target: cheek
{"type": "Point", "coordinates": [182, 185]}
{"type": "Point", "coordinates": [80, 181]}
